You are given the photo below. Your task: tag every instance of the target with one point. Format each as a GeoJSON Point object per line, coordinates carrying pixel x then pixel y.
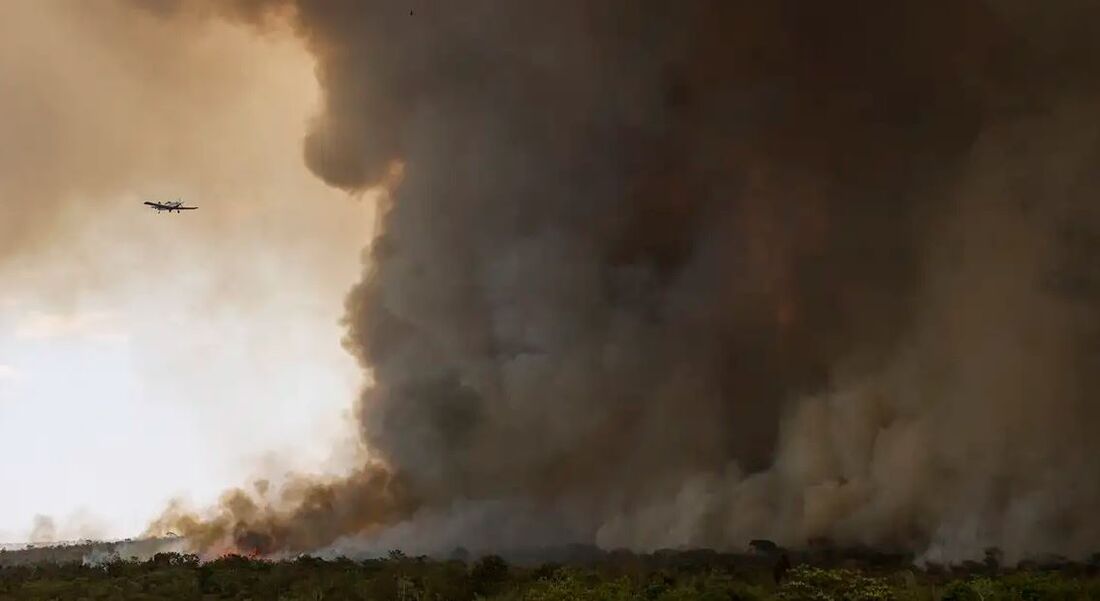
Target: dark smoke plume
{"type": "Point", "coordinates": [695, 273]}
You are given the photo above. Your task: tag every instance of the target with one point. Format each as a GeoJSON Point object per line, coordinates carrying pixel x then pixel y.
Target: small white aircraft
{"type": "Point", "coordinates": [171, 205]}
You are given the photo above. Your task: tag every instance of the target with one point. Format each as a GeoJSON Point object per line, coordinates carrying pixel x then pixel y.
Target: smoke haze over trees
{"type": "Point", "coordinates": [656, 274]}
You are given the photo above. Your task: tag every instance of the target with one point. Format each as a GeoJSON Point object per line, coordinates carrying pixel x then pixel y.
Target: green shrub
{"type": "Point", "coordinates": [1022, 586]}
{"type": "Point", "coordinates": [816, 584]}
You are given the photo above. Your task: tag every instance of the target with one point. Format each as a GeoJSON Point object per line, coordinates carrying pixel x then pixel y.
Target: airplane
{"type": "Point", "coordinates": [171, 205]}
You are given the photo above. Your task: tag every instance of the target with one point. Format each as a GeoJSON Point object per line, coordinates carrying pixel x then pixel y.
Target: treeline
{"type": "Point", "coordinates": [667, 576]}
{"type": "Point", "coordinates": [78, 552]}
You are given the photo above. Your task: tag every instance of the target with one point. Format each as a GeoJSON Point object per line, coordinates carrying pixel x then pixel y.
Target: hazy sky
{"type": "Point", "coordinates": [147, 356]}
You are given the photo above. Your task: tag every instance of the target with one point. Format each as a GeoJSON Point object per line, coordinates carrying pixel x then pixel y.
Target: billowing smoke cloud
{"type": "Point", "coordinates": [321, 512]}
{"type": "Point", "coordinates": [689, 274]}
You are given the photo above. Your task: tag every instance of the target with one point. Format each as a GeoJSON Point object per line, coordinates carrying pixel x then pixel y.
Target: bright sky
{"type": "Point", "coordinates": [146, 356]}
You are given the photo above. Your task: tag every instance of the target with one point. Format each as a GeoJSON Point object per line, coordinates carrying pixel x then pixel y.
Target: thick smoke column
{"type": "Point", "coordinates": [691, 274]}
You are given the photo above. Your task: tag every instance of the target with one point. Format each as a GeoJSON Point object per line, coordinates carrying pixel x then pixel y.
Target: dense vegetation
{"type": "Point", "coordinates": [613, 577]}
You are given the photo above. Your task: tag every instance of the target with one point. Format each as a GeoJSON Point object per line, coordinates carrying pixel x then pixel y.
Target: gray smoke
{"type": "Point", "coordinates": [44, 530]}
{"type": "Point", "coordinates": [693, 273]}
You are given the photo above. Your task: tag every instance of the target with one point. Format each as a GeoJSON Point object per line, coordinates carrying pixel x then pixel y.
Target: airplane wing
{"type": "Point", "coordinates": [170, 206]}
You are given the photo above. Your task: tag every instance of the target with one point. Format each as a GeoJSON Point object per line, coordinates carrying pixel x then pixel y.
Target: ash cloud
{"type": "Point", "coordinates": [717, 271]}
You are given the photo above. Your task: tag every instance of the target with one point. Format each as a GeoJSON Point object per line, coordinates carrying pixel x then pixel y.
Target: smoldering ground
{"type": "Point", "coordinates": [688, 274]}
